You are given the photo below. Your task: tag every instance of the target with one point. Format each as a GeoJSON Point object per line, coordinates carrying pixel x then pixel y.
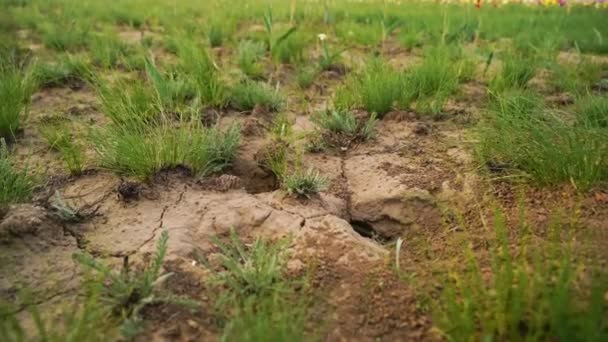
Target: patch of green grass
{"type": "Point", "coordinates": [576, 78]}
{"type": "Point", "coordinates": [16, 87]}
{"type": "Point", "coordinates": [304, 183]}
{"type": "Point", "coordinates": [67, 70]}
{"type": "Point", "coordinates": [141, 151]}
{"type": "Point", "coordinates": [127, 101]}
{"type": "Point", "coordinates": [516, 72]}
{"type": "Point", "coordinates": [204, 76]}
{"type": "Point", "coordinates": [249, 94]}
{"type": "Point", "coordinates": [65, 36]}
{"type": "Point", "coordinates": [127, 292]}
{"type": "Point", "coordinates": [533, 294]}
{"type": "Point", "coordinates": [258, 300]}
{"type": "Point", "coordinates": [519, 133]}
{"type": "Point", "coordinates": [60, 138]}
{"type": "Point", "coordinates": [377, 89]}
{"type": "Point", "coordinates": [290, 50]}
{"type": "Point", "coordinates": [15, 185]}
{"type": "Point", "coordinates": [433, 81]}
{"type": "Point", "coordinates": [107, 50]}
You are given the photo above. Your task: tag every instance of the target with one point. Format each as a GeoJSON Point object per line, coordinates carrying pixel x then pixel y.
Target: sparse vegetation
{"type": "Point", "coordinates": [127, 292]}
{"type": "Point", "coordinates": [261, 302]}
{"type": "Point", "coordinates": [291, 144]}
{"type": "Point", "coordinates": [533, 293]}
{"type": "Point", "coordinates": [61, 140]}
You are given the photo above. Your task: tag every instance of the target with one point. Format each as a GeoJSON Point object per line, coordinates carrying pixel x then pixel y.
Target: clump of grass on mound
{"type": "Point", "coordinates": [341, 128]}
{"type": "Point", "coordinates": [533, 294]}
{"type": "Point", "coordinates": [258, 300]}
{"type": "Point", "coordinates": [16, 87]}
{"type": "Point", "coordinates": [376, 89]}
{"type": "Point", "coordinates": [304, 183]}
{"type": "Point", "coordinates": [520, 133]}
{"type": "Point", "coordinates": [143, 150]}
{"type": "Point", "coordinates": [15, 185]}
{"type": "Point", "coordinates": [249, 94]}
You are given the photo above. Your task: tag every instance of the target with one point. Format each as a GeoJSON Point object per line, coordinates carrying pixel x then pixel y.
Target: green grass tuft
{"type": "Point", "coordinates": [249, 94]}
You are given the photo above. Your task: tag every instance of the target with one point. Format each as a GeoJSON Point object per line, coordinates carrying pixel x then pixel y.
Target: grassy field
{"type": "Point", "coordinates": [303, 170]}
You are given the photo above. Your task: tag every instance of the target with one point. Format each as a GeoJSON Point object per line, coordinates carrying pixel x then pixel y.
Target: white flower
{"type": "Point", "coordinates": [322, 36]}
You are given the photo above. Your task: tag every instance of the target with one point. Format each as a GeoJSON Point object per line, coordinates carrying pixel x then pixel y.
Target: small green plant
{"type": "Point", "coordinates": [61, 139]}
{"type": "Point", "coordinates": [305, 77]}
{"type": "Point", "coordinates": [304, 183]}
{"type": "Point", "coordinates": [249, 94]}
{"type": "Point", "coordinates": [377, 89]}
{"type": "Point", "coordinates": [249, 53]}
{"type": "Point", "coordinates": [16, 87]}
{"type": "Point", "coordinates": [533, 294]}
{"type": "Point", "coordinates": [215, 34]}
{"type": "Point", "coordinates": [328, 59]}
{"type": "Point", "coordinates": [273, 42]}
{"type": "Point", "coordinates": [340, 128]}
{"type": "Point", "coordinates": [15, 185]}
{"type": "Point", "coordinates": [127, 292]}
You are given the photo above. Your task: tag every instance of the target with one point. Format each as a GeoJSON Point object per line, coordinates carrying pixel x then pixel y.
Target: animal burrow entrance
{"type": "Point", "coordinates": [368, 231]}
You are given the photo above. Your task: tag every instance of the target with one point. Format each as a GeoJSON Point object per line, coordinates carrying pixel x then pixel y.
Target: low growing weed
{"type": "Point", "coordinates": [304, 183]}
{"type": "Point", "coordinates": [257, 299]}
{"type": "Point", "coordinates": [127, 292]}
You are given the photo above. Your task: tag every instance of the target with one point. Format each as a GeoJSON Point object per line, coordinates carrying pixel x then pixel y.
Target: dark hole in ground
{"type": "Point", "coordinates": [366, 230]}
